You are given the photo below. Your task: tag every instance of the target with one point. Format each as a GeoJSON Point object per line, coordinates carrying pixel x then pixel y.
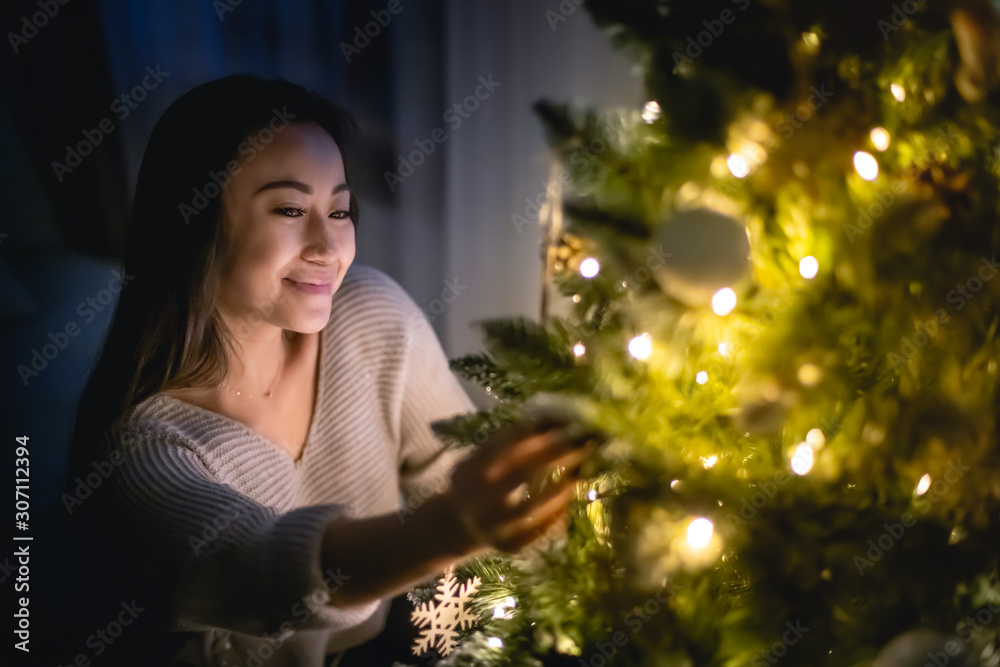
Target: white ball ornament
{"type": "Point", "coordinates": [920, 646]}
{"type": "Point", "coordinates": [705, 251]}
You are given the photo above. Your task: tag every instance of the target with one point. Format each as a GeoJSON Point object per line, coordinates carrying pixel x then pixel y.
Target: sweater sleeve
{"type": "Point", "coordinates": [226, 560]}
{"type": "Point", "coordinates": [430, 392]}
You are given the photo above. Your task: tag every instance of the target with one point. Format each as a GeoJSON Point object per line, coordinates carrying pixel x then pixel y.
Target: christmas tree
{"type": "Point", "coordinates": [773, 292]}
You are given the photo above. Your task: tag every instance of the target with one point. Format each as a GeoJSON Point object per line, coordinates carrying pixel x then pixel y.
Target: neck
{"type": "Point", "coordinates": [260, 360]}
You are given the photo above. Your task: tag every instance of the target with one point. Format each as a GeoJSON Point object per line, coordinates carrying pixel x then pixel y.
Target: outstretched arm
{"type": "Point", "coordinates": [382, 556]}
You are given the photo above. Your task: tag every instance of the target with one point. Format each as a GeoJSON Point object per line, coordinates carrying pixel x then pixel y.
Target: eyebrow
{"type": "Point", "coordinates": [296, 185]}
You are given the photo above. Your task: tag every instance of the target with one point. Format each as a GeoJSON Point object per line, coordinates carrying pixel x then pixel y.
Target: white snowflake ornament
{"type": "Point", "coordinates": [445, 615]}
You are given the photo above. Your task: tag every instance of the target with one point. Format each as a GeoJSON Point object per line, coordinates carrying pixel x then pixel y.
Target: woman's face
{"type": "Point", "coordinates": [293, 237]}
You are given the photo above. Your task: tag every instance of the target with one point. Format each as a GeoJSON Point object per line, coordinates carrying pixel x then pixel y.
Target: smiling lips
{"type": "Point", "coordinates": [311, 286]}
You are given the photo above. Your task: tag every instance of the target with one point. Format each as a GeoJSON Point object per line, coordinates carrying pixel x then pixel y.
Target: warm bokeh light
{"type": "Point", "coordinates": [802, 458]}
{"type": "Point", "coordinates": [898, 92]}
{"type": "Point", "coordinates": [651, 111]}
{"type": "Point", "coordinates": [699, 532]}
{"type": "Point", "coordinates": [923, 485]}
{"type": "Point", "coordinates": [579, 349]}
{"type": "Point", "coordinates": [809, 374]}
{"type": "Point", "coordinates": [641, 347]}
{"type": "Point", "coordinates": [589, 267]}
{"type": "Point", "coordinates": [701, 377]}
{"type": "Point", "coordinates": [724, 301]}
{"type": "Point", "coordinates": [808, 267]}
{"type": "Point", "coordinates": [866, 165]}
{"type": "Point", "coordinates": [738, 165]}
{"type": "Point", "coordinates": [880, 138]}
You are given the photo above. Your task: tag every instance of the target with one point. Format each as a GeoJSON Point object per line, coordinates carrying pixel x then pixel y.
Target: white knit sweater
{"type": "Point", "coordinates": [231, 526]}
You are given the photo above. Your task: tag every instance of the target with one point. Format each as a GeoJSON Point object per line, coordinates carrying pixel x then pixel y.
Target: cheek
{"type": "Point", "coordinates": [259, 260]}
{"type": "Point", "coordinates": [263, 252]}
{"type": "Point", "coordinates": [345, 241]}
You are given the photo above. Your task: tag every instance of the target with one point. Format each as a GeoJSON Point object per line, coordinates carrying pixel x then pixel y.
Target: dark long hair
{"type": "Point", "coordinates": [166, 331]}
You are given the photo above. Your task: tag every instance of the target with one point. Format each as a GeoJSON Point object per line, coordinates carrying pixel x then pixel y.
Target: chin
{"type": "Point", "coordinates": [310, 327]}
{"type": "Point", "coordinates": [313, 323]}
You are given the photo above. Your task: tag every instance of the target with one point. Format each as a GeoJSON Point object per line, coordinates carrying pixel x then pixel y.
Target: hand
{"type": "Point", "coordinates": [499, 493]}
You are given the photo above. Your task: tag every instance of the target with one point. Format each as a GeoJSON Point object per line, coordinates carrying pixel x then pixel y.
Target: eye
{"type": "Point", "coordinates": [341, 215]}
{"type": "Point", "coordinates": [289, 211]}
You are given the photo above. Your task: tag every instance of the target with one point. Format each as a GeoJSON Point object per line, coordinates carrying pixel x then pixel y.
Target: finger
{"type": "Point", "coordinates": [519, 451]}
{"type": "Point", "coordinates": [566, 467]}
{"type": "Point", "coordinates": [578, 456]}
{"type": "Point", "coordinates": [553, 502]}
{"type": "Point", "coordinates": [555, 499]}
{"type": "Point", "coordinates": [508, 474]}
{"type": "Point", "coordinates": [505, 518]}
{"type": "Point", "coordinates": [489, 461]}
{"type": "Point", "coordinates": [572, 459]}
{"type": "Point", "coordinates": [549, 529]}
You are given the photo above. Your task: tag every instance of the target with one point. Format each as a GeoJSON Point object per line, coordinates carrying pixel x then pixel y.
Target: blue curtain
{"type": "Point", "coordinates": [197, 40]}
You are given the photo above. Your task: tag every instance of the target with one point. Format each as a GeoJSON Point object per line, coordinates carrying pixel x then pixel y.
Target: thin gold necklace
{"type": "Point", "coordinates": [266, 394]}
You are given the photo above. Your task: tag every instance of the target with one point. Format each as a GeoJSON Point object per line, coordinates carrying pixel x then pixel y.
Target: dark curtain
{"type": "Point", "coordinates": [57, 82]}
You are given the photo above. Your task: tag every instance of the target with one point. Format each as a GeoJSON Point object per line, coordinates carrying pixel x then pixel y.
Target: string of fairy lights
{"type": "Point", "coordinates": [693, 541]}
{"type": "Point", "coordinates": [716, 386]}
{"type": "Point", "coordinates": [741, 164]}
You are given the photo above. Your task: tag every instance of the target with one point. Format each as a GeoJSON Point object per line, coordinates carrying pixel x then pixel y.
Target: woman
{"type": "Point", "coordinates": [265, 406]}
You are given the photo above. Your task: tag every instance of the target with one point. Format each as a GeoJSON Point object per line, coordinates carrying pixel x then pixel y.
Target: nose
{"type": "Point", "coordinates": [319, 242]}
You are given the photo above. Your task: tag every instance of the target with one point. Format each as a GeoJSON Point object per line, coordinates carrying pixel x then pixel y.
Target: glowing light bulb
{"type": "Point", "coordinates": [641, 347]}
{"type": "Point", "coordinates": [802, 458]}
{"type": "Point", "coordinates": [811, 39]}
{"type": "Point", "coordinates": [723, 348]}
{"type": "Point", "coordinates": [718, 168]}
{"type": "Point", "coordinates": [701, 377]}
{"type": "Point", "coordinates": [724, 301]}
{"type": "Point", "coordinates": [501, 610]}
{"type": "Point", "coordinates": [589, 267]}
{"type": "Point", "coordinates": [592, 494]}
{"type": "Point", "coordinates": [880, 138]}
{"type": "Point", "coordinates": [495, 642]}
{"type": "Point", "coordinates": [808, 267]}
{"type": "Point", "coordinates": [738, 165]}
{"type": "Point", "coordinates": [689, 191]}
{"type": "Point", "coordinates": [651, 111]}
{"type": "Point", "coordinates": [699, 532]}
{"type": "Point", "coordinates": [923, 485]}
{"type": "Point", "coordinates": [675, 484]}
{"type": "Point", "coordinates": [866, 165]}
{"type": "Point", "coordinates": [579, 349]}
{"type": "Point", "coordinates": [815, 437]}
{"type": "Point", "coordinates": [809, 374]}
{"type": "Point", "coordinates": [709, 461]}
{"type": "Point", "coordinates": [898, 92]}
{"type": "Point", "coordinates": [576, 298]}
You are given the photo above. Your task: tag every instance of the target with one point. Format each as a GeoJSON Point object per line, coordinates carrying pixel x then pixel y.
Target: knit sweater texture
{"type": "Point", "coordinates": [224, 528]}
